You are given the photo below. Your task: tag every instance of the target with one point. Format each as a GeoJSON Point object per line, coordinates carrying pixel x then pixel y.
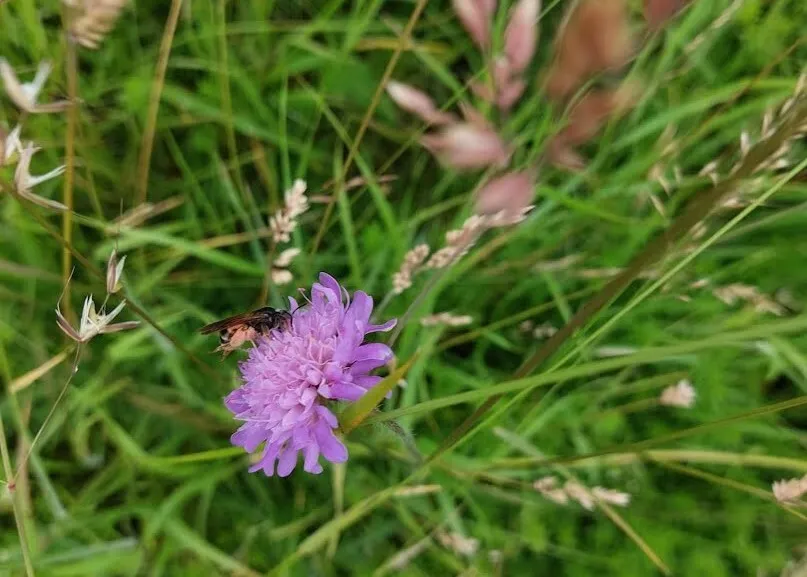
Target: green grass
{"type": "Point", "coordinates": [132, 472]}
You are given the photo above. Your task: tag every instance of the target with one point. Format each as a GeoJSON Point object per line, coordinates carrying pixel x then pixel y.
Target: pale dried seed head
{"type": "Point", "coordinates": [446, 319]}
{"type": "Point", "coordinates": [614, 351]}
{"type": "Point", "coordinates": [96, 20]}
{"type": "Point", "coordinates": [545, 483]}
{"type": "Point", "coordinates": [767, 124]}
{"type": "Point", "coordinates": [402, 279]}
{"type": "Point", "coordinates": [458, 243]}
{"type": "Point", "coordinates": [745, 142]}
{"type": "Point", "coordinates": [10, 145]}
{"type": "Point", "coordinates": [731, 294]}
{"type": "Point", "coordinates": [790, 490]}
{"type": "Point", "coordinates": [281, 276]}
{"type": "Point", "coordinates": [25, 95]}
{"type": "Point", "coordinates": [612, 496]}
{"type": "Point", "coordinates": [114, 272]}
{"type": "Point", "coordinates": [460, 544]}
{"type": "Point", "coordinates": [544, 331]}
{"type": "Point", "coordinates": [284, 222]}
{"type": "Point", "coordinates": [24, 181]}
{"type": "Point", "coordinates": [579, 493]}
{"type": "Point", "coordinates": [285, 258]}
{"type": "Point", "coordinates": [681, 395]}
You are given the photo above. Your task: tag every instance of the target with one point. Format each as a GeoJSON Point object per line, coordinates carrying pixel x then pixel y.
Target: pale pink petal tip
{"type": "Point", "coordinates": [521, 35]}
{"type": "Point", "coordinates": [417, 102]}
{"type": "Point", "coordinates": [510, 193]}
{"type": "Point", "coordinates": [467, 146]}
{"type": "Point", "coordinates": [475, 16]}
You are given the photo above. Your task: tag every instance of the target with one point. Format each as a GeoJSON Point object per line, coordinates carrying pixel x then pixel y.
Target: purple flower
{"type": "Point", "coordinates": [290, 377]}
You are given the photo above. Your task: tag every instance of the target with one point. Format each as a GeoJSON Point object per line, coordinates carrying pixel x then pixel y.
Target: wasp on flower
{"type": "Point", "coordinates": [290, 378]}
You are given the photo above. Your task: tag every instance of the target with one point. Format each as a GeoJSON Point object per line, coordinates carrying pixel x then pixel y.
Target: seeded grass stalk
{"type": "Point", "coordinates": [696, 210]}
{"type": "Point", "coordinates": [134, 471]}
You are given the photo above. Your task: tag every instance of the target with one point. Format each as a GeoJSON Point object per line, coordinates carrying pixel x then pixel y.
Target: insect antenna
{"type": "Point", "coordinates": [305, 296]}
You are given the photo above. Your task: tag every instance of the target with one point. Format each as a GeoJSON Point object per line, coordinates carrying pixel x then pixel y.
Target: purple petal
{"type": "Point", "coordinates": [326, 415]}
{"type": "Point", "coordinates": [360, 368]}
{"type": "Point", "coordinates": [267, 462]}
{"type": "Point", "coordinates": [373, 352]}
{"type": "Point", "coordinates": [331, 447]}
{"type": "Point", "coordinates": [236, 402]}
{"type": "Point", "coordinates": [311, 463]}
{"type": "Point", "coordinates": [346, 392]}
{"type": "Point", "coordinates": [368, 382]}
{"type": "Point", "coordinates": [330, 284]}
{"type": "Point", "coordinates": [249, 437]}
{"type": "Point", "coordinates": [361, 307]}
{"type": "Point", "coordinates": [383, 327]}
{"type": "Point", "coordinates": [287, 462]}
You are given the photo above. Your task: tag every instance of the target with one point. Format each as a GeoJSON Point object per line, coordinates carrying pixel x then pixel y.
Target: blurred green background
{"type": "Point", "coordinates": [134, 474]}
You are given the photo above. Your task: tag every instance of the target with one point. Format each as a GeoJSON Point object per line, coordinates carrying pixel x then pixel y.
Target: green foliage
{"type": "Point", "coordinates": [133, 473]}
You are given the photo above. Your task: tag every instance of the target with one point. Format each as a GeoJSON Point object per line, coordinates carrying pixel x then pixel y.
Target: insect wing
{"type": "Point", "coordinates": [230, 322]}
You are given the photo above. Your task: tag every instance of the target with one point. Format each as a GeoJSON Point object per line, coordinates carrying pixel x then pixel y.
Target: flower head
{"type": "Point", "coordinates": [94, 323]}
{"type": "Point", "coordinates": [290, 377]}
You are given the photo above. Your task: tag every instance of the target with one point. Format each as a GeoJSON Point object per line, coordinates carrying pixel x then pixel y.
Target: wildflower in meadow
{"type": "Point", "coordinates": [290, 378]}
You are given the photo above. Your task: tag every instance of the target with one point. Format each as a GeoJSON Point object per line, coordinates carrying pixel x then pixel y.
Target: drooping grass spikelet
{"type": "Point", "coordinates": [574, 491]}
{"type": "Point", "coordinates": [458, 543]}
{"type": "Point", "coordinates": [95, 20]}
{"type": "Point", "coordinates": [24, 181]}
{"type": "Point", "coordinates": [790, 490]}
{"type": "Point", "coordinates": [284, 221]}
{"type": "Point", "coordinates": [458, 242]}
{"type": "Point", "coordinates": [25, 94]}
{"type": "Point", "coordinates": [735, 292]}
{"type": "Point", "coordinates": [681, 395]}
{"type": "Point", "coordinates": [446, 319]}
{"type": "Point", "coordinates": [402, 279]}
{"type": "Point", "coordinates": [280, 273]}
